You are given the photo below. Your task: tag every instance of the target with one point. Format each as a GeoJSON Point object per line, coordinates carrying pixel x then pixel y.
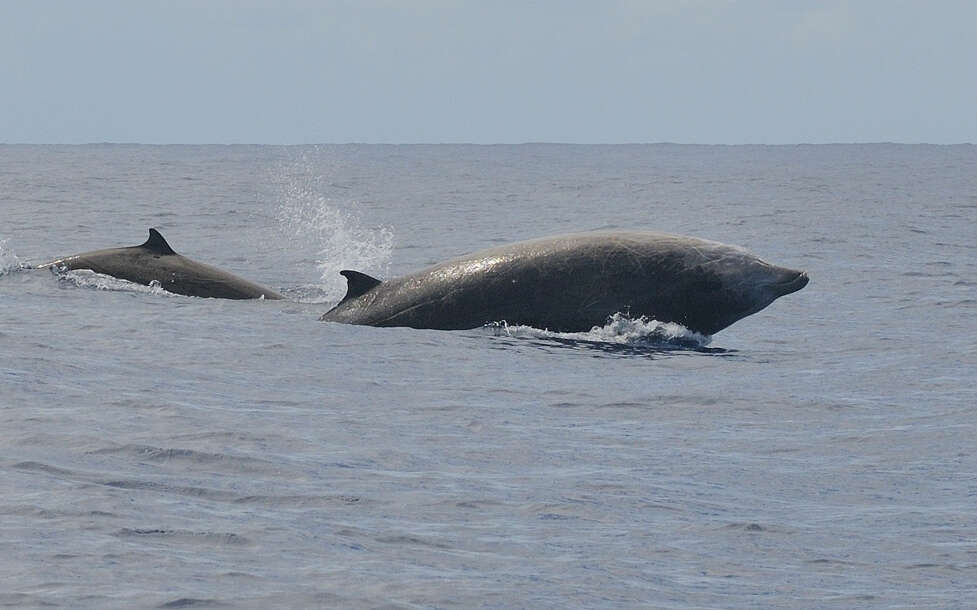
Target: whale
{"type": "Point", "coordinates": [574, 282]}
{"type": "Point", "coordinates": [155, 261]}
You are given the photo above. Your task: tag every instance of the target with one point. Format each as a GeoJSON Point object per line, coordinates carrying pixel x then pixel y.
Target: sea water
{"type": "Point", "coordinates": [168, 451]}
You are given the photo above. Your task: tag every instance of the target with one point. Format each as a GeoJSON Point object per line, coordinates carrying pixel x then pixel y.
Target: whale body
{"type": "Point", "coordinates": [156, 261]}
{"type": "Point", "coordinates": [574, 282]}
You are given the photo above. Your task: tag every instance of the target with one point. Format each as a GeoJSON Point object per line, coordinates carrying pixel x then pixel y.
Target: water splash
{"type": "Point", "coordinates": [9, 262]}
{"type": "Point", "coordinates": [619, 330]}
{"type": "Point", "coordinates": [85, 278]}
{"type": "Point", "coordinates": [332, 229]}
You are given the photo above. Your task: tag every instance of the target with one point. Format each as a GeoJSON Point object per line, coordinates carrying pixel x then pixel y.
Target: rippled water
{"type": "Point", "coordinates": [166, 451]}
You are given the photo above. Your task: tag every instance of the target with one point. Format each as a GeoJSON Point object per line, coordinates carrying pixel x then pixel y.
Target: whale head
{"type": "Point", "coordinates": [753, 284]}
{"type": "Point", "coordinates": [731, 284]}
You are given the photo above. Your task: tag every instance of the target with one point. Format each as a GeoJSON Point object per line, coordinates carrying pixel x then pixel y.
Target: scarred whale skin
{"type": "Point", "coordinates": [575, 282]}
{"type": "Point", "coordinates": [156, 261]}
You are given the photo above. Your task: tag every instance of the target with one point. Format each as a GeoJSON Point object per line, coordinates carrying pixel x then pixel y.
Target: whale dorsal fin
{"type": "Point", "coordinates": [156, 244]}
{"type": "Point", "coordinates": [357, 284]}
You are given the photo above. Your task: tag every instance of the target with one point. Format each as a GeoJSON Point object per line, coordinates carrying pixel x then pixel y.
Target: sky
{"type": "Point", "coordinates": [488, 71]}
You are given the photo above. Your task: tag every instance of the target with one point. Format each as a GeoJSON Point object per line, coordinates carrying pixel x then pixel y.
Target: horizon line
{"type": "Point", "coordinates": [526, 143]}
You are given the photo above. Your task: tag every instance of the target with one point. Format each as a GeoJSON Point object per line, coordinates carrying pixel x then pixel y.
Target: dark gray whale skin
{"type": "Point", "coordinates": [155, 260]}
{"type": "Point", "coordinates": [574, 282]}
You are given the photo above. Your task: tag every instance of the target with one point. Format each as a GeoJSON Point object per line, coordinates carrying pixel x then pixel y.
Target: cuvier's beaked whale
{"type": "Point", "coordinates": [573, 283]}
{"type": "Point", "coordinates": [156, 261]}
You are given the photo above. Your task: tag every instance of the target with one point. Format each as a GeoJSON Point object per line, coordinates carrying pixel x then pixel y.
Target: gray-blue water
{"type": "Point", "coordinates": [168, 451]}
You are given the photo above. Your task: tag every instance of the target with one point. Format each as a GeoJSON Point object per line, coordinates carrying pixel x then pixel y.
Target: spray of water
{"type": "Point", "coordinates": [9, 262]}
{"type": "Point", "coordinates": [331, 229]}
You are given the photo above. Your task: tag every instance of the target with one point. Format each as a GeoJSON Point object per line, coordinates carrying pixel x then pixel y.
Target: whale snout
{"type": "Point", "coordinates": [789, 280]}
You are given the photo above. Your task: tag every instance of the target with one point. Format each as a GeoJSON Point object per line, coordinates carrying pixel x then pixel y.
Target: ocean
{"type": "Point", "coordinates": [173, 452]}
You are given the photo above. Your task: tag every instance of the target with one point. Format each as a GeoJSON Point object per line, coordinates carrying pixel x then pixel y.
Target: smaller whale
{"type": "Point", "coordinates": [155, 261]}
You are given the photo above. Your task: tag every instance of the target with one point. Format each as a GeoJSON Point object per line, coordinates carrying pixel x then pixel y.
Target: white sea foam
{"type": "Point", "coordinates": [619, 329]}
{"type": "Point", "coordinates": [85, 278]}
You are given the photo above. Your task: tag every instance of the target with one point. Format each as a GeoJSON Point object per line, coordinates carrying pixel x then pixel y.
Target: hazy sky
{"type": "Point", "coordinates": [303, 71]}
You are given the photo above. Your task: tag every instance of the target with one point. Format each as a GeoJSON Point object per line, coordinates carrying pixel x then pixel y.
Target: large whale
{"type": "Point", "coordinates": [156, 261]}
{"type": "Point", "coordinates": [573, 283]}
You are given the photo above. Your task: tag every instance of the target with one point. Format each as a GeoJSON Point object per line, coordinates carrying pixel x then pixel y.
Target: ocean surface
{"type": "Point", "coordinates": [168, 451]}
